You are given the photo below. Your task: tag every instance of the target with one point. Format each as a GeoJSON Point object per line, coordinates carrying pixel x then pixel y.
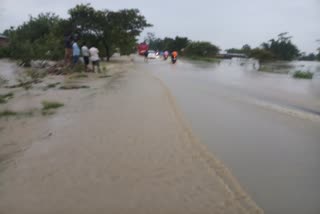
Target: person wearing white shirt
{"type": "Point", "coordinates": [85, 54]}
{"type": "Point", "coordinates": [94, 57]}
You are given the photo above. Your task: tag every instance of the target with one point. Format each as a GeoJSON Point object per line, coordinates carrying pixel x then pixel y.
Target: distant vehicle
{"type": "Point", "coordinates": [174, 56]}
{"type": "Point", "coordinates": [152, 54]}
{"type": "Point", "coordinates": [142, 48]}
{"type": "Point", "coordinates": [165, 55]}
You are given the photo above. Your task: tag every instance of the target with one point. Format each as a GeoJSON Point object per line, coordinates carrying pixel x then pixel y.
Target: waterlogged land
{"type": "Point", "coordinates": [263, 125]}
{"type": "Point", "coordinates": [114, 141]}
{"type": "Point", "coordinates": [119, 145]}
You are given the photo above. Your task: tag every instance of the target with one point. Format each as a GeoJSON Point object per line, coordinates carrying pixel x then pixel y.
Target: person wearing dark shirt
{"type": "Point", "coordinates": [68, 49]}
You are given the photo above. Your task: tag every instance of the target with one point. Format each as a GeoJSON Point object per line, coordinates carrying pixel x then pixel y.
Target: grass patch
{"type": "Point", "coordinates": [72, 87]}
{"type": "Point", "coordinates": [79, 76]}
{"type": "Point", "coordinates": [264, 68]}
{"type": "Point", "coordinates": [53, 85]}
{"type": "Point", "coordinates": [204, 59]}
{"type": "Point", "coordinates": [36, 74]}
{"type": "Point", "coordinates": [47, 105]}
{"type": "Point", "coordinates": [5, 97]}
{"type": "Point", "coordinates": [303, 75]}
{"type": "Point", "coordinates": [105, 76]}
{"type": "Point", "coordinates": [9, 113]}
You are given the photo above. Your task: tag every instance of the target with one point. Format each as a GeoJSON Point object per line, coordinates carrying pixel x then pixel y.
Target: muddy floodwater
{"type": "Point", "coordinates": [264, 126]}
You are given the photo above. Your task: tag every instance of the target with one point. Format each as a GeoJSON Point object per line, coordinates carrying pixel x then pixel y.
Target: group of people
{"type": "Point", "coordinates": [165, 55]}
{"type": "Point", "coordinates": [73, 54]}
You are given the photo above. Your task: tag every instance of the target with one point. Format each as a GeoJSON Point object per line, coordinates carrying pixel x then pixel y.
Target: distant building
{"type": "Point", "coordinates": [4, 41]}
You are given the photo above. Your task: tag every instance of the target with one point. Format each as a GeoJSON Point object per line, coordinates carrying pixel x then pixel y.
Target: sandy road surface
{"type": "Point", "coordinates": [124, 150]}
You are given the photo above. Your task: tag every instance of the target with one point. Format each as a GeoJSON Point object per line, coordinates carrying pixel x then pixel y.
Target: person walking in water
{"type": "Point", "coordinates": [94, 57]}
{"type": "Point", "coordinates": [85, 54]}
{"type": "Point", "coordinates": [75, 52]}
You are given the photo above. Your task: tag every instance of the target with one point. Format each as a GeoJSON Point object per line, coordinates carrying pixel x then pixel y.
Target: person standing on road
{"type": "Point", "coordinates": [75, 52]}
{"type": "Point", "coordinates": [85, 54]}
{"type": "Point", "coordinates": [146, 53]}
{"type": "Point", "coordinates": [94, 57]}
{"type": "Point", "coordinates": [67, 49]}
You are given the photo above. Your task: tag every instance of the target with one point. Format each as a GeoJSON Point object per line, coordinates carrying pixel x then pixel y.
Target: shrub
{"type": "Point", "coordinates": [5, 97]}
{"type": "Point", "coordinates": [303, 75]}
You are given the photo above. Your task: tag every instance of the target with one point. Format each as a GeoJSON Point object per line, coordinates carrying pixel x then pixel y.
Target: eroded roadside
{"type": "Point", "coordinates": [122, 147]}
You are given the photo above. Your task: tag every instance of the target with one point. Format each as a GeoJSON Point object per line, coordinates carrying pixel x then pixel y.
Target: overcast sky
{"type": "Point", "coordinates": [226, 23]}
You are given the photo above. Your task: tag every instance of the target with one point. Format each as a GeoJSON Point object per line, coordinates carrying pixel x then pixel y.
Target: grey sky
{"type": "Point", "coordinates": [226, 23]}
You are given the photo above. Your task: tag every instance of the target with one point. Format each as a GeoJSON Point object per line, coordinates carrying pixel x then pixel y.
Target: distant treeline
{"type": "Point", "coordinates": [183, 45]}
{"type": "Point", "coordinates": [42, 37]}
{"type": "Point", "coordinates": [280, 48]}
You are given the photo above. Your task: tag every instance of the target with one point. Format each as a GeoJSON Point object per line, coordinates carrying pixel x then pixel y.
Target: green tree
{"type": "Point", "coordinates": [170, 44]}
{"type": "Point", "coordinates": [110, 29]}
{"type": "Point", "coordinates": [180, 43]}
{"type": "Point", "coordinates": [246, 49]}
{"type": "Point", "coordinates": [40, 37]}
{"type": "Point", "coordinates": [308, 57]}
{"type": "Point", "coordinates": [261, 54]}
{"type": "Point", "coordinates": [201, 49]}
{"type": "Point", "coordinates": [318, 55]}
{"type": "Point", "coordinates": [281, 48]}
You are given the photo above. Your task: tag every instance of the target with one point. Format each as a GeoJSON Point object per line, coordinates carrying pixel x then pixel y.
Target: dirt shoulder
{"type": "Point", "coordinates": [121, 148]}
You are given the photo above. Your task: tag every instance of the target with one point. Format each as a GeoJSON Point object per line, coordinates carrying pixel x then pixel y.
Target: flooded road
{"type": "Point", "coordinates": [265, 127]}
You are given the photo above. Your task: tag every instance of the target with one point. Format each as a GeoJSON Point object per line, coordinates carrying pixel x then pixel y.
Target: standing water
{"type": "Point", "coordinates": [264, 126]}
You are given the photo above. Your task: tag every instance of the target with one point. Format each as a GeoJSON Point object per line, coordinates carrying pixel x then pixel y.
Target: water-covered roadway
{"type": "Point", "coordinates": [265, 127]}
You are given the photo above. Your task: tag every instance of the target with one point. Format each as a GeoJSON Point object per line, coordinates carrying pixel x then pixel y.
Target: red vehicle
{"type": "Point", "coordinates": [142, 48]}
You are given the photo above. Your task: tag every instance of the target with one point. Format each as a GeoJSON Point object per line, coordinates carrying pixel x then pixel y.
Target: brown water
{"type": "Point", "coordinates": [120, 146]}
{"type": "Point", "coordinates": [264, 126]}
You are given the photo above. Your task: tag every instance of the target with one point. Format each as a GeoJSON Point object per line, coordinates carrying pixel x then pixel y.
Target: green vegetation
{"type": "Point", "coordinates": [79, 76]}
{"type": "Point", "coordinates": [105, 76]}
{"type": "Point", "coordinates": [9, 113]}
{"type": "Point", "coordinates": [36, 74]}
{"type": "Point", "coordinates": [201, 49]}
{"type": "Point", "coordinates": [108, 29]}
{"type": "Point", "coordinates": [53, 85]}
{"type": "Point", "coordinates": [169, 44]}
{"type": "Point", "coordinates": [276, 49]}
{"type": "Point", "coordinates": [48, 107]}
{"type": "Point", "coordinates": [72, 87]}
{"type": "Point", "coordinates": [204, 51]}
{"type": "Point", "coordinates": [42, 37]}
{"type": "Point", "coordinates": [5, 97]}
{"type": "Point", "coordinates": [205, 59]}
{"type": "Point", "coordinates": [303, 75]}
{"type": "Point", "coordinates": [309, 57]}
{"type": "Point", "coordinates": [246, 49]}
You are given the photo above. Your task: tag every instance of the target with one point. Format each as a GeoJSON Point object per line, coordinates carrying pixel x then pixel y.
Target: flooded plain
{"type": "Point", "coordinates": [264, 126]}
